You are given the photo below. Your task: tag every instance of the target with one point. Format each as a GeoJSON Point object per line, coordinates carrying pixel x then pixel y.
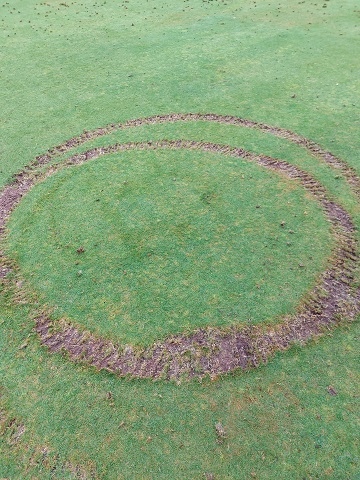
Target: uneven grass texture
{"type": "Point", "coordinates": [70, 66]}
{"type": "Point", "coordinates": [172, 240]}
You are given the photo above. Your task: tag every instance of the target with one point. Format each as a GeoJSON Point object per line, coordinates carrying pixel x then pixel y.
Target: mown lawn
{"type": "Point", "coordinates": [70, 66]}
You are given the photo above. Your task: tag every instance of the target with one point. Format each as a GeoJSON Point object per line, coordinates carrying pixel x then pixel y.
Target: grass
{"type": "Point", "coordinates": [280, 420]}
{"type": "Point", "coordinates": [69, 66]}
{"type": "Point", "coordinates": [172, 240]}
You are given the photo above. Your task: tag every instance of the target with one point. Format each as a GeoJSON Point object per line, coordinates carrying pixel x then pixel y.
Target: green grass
{"type": "Point", "coordinates": [280, 420]}
{"type": "Point", "coordinates": [69, 66]}
{"type": "Point", "coordinates": [173, 240]}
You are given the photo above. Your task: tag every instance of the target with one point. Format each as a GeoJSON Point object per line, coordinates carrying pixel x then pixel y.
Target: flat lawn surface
{"type": "Point", "coordinates": [70, 66]}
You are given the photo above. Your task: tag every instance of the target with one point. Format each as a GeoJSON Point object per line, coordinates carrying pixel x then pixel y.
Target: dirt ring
{"type": "Point", "coordinates": [209, 351]}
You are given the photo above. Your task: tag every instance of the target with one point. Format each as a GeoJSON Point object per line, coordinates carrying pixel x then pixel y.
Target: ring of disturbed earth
{"type": "Point", "coordinates": [211, 350]}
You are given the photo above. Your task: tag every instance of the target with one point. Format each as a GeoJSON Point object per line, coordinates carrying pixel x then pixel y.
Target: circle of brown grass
{"type": "Point", "coordinates": [208, 351]}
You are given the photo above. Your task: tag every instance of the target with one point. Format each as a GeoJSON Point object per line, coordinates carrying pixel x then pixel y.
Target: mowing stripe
{"type": "Point", "coordinates": [209, 351]}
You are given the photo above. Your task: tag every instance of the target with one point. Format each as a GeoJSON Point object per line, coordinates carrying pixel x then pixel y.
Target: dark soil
{"type": "Point", "coordinates": [209, 351]}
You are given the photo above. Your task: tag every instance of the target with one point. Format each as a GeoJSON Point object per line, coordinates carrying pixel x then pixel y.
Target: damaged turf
{"type": "Point", "coordinates": [209, 351]}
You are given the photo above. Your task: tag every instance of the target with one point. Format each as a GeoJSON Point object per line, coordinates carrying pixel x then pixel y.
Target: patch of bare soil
{"type": "Point", "coordinates": [210, 351]}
